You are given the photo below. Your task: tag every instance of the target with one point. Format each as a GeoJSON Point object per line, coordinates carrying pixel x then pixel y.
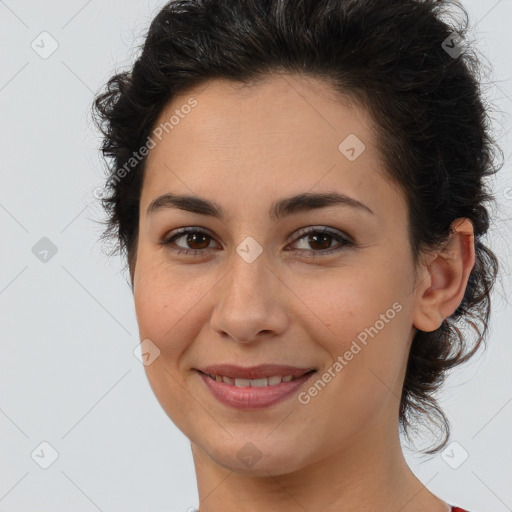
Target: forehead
{"type": "Point", "coordinates": [281, 110]}
{"type": "Point", "coordinates": [286, 133]}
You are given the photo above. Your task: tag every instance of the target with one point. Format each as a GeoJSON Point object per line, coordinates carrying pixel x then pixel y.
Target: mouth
{"type": "Point", "coordinates": [254, 375]}
{"type": "Point", "coordinates": [256, 387]}
{"type": "Point", "coordinates": [240, 382]}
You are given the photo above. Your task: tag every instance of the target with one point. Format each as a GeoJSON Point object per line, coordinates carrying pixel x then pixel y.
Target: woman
{"type": "Point", "coordinates": [298, 189]}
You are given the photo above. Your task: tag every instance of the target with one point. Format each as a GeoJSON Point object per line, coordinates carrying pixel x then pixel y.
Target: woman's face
{"type": "Point", "coordinates": [265, 285]}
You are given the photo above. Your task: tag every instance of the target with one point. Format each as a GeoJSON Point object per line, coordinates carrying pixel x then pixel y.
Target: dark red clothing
{"type": "Point", "coordinates": [457, 509]}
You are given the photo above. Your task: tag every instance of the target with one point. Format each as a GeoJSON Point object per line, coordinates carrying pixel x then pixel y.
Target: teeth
{"type": "Point", "coordinates": [259, 383]}
{"type": "Point", "coordinates": [272, 381]}
{"type": "Point", "coordinates": [254, 383]}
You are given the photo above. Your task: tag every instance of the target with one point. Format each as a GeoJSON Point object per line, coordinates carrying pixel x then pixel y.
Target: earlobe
{"type": "Point", "coordinates": [445, 277]}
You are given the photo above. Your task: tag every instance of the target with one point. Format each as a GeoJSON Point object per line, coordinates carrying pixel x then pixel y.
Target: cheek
{"type": "Point", "coordinates": [348, 302]}
{"type": "Point", "coordinates": [365, 322]}
{"type": "Point", "coordinates": [362, 317]}
{"type": "Point", "coordinates": [163, 303]}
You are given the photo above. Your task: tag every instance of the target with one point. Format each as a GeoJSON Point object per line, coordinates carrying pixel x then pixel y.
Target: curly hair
{"type": "Point", "coordinates": [405, 61]}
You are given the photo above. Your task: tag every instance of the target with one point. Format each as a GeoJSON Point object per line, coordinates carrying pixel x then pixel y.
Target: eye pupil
{"type": "Point", "coordinates": [192, 238]}
{"type": "Point", "coordinates": [314, 239]}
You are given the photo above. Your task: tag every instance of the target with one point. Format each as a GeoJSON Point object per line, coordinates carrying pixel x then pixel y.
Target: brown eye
{"type": "Point", "coordinates": [194, 241]}
{"type": "Point", "coordinates": [320, 239]}
{"type": "Point", "coordinates": [197, 239]}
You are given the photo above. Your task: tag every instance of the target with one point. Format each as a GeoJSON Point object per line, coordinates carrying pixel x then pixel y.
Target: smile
{"type": "Point", "coordinates": [255, 383]}
{"type": "Point", "coordinates": [258, 393]}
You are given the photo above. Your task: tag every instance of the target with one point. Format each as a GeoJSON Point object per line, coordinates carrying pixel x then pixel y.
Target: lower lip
{"type": "Point", "coordinates": [253, 398]}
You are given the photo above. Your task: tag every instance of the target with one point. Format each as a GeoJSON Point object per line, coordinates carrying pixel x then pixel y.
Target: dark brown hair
{"type": "Point", "coordinates": [401, 60]}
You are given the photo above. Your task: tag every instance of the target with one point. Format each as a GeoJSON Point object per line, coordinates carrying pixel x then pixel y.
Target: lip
{"type": "Point", "coordinates": [253, 372]}
{"type": "Point", "coordinates": [254, 397]}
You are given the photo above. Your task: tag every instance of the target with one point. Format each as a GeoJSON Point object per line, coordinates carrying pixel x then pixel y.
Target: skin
{"type": "Point", "coordinates": [245, 149]}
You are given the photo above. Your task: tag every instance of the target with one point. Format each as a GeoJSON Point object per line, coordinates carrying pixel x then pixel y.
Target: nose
{"type": "Point", "coordinates": [250, 302]}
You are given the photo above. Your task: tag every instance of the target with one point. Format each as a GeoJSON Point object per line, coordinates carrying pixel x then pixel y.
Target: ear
{"type": "Point", "coordinates": [443, 278]}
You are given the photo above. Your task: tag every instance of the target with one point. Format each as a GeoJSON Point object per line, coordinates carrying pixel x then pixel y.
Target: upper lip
{"type": "Point", "coordinates": [253, 372]}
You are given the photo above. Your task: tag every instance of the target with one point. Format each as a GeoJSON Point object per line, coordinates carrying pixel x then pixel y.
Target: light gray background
{"type": "Point", "coordinates": [68, 375]}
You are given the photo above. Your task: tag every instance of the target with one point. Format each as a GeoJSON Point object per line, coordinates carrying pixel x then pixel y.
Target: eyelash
{"type": "Point", "coordinates": [345, 241]}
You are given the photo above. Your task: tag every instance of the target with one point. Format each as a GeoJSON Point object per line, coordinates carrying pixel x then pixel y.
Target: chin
{"type": "Point", "coordinates": [258, 457]}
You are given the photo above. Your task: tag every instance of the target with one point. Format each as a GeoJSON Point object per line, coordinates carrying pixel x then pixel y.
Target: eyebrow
{"type": "Point", "coordinates": [280, 209]}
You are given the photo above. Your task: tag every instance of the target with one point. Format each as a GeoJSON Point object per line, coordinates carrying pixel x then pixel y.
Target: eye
{"type": "Point", "coordinates": [322, 237]}
{"type": "Point", "coordinates": [197, 241]}
{"type": "Point", "coordinates": [194, 236]}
